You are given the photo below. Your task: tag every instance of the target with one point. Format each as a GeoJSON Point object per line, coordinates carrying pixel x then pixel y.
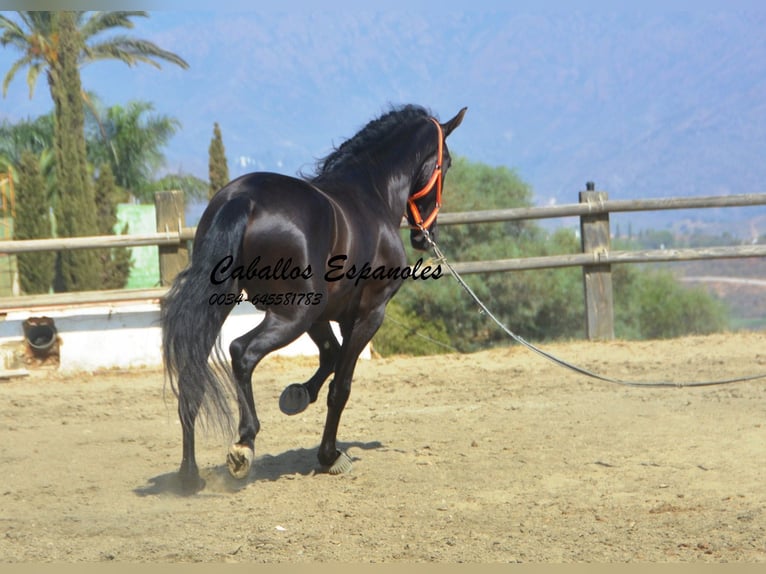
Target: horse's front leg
{"type": "Point", "coordinates": [298, 396]}
{"type": "Point", "coordinates": [354, 341]}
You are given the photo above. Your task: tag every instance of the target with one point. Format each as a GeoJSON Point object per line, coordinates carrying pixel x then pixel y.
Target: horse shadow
{"type": "Point", "coordinates": [218, 481]}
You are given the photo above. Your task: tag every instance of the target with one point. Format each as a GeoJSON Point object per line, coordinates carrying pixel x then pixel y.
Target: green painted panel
{"type": "Point", "coordinates": [145, 272]}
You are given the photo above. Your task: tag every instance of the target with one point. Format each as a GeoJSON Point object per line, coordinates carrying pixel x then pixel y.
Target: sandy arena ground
{"type": "Point", "coordinates": [498, 456]}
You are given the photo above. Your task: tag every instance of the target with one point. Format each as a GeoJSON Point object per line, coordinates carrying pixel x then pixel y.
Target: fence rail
{"type": "Point", "coordinates": [183, 234]}
{"type": "Point", "coordinates": [91, 242]}
{"type": "Point", "coordinates": [595, 258]}
{"type": "Point", "coordinates": [594, 207]}
{"type": "Point", "coordinates": [609, 258]}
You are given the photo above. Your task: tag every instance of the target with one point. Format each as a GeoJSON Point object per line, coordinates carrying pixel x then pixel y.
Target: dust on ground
{"type": "Point", "coordinates": [497, 456]}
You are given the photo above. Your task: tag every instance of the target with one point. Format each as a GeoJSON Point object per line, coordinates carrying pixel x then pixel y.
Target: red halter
{"type": "Point", "coordinates": [436, 179]}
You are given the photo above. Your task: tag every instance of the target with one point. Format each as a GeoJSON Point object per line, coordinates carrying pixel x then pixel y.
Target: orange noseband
{"type": "Point", "coordinates": [437, 178]}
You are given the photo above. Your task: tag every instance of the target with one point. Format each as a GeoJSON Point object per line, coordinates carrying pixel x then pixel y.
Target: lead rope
{"type": "Point", "coordinates": [440, 258]}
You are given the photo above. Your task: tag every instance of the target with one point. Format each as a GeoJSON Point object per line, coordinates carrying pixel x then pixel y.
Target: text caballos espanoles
{"type": "Point", "coordinates": [283, 269]}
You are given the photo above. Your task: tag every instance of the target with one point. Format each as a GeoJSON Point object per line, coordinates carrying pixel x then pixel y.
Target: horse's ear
{"type": "Point", "coordinates": [453, 123]}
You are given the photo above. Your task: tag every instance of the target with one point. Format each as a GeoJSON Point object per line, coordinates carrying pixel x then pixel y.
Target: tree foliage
{"type": "Point", "coordinates": [131, 142]}
{"type": "Point", "coordinates": [652, 304]}
{"type": "Point", "coordinates": [33, 221]}
{"type": "Point", "coordinates": [37, 36]}
{"type": "Point", "coordinates": [59, 43]}
{"type": "Point", "coordinates": [34, 136]}
{"type": "Point", "coordinates": [218, 169]}
{"type": "Point", "coordinates": [191, 186]}
{"type": "Point", "coordinates": [536, 304]}
{"type": "Point", "coordinates": [75, 210]}
{"type": "Point", "coordinates": [114, 263]}
{"type": "Point", "coordinates": [404, 332]}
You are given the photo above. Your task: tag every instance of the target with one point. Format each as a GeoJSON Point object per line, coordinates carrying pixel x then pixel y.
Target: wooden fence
{"type": "Point", "coordinates": [595, 258]}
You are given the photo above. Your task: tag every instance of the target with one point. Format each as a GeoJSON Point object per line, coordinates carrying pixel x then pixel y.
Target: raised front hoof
{"type": "Point", "coordinates": [294, 399]}
{"type": "Point", "coordinates": [239, 460]}
{"type": "Point", "coordinates": [342, 464]}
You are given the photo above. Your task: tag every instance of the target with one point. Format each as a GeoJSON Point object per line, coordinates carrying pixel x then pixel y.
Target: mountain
{"type": "Point", "coordinates": [650, 104]}
{"type": "Point", "coordinates": [644, 106]}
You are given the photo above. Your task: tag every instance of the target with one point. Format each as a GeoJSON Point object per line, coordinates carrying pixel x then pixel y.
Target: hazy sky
{"type": "Point", "coordinates": [561, 96]}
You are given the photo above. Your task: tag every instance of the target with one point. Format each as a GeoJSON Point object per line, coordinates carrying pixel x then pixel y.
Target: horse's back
{"type": "Point", "coordinates": [271, 196]}
{"type": "Point", "coordinates": [258, 187]}
{"type": "Point", "coordinates": [290, 225]}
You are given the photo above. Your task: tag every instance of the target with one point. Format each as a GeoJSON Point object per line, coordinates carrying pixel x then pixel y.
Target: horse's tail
{"type": "Point", "coordinates": [191, 325]}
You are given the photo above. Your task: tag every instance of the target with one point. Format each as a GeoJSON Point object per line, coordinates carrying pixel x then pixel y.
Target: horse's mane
{"type": "Point", "coordinates": [368, 137]}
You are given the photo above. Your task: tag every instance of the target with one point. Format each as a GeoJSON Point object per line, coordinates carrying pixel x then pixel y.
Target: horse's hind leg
{"type": "Point", "coordinates": [188, 408]}
{"type": "Point", "coordinates": [272, 333]}
{"type": "Point", "coordinates": [296, 397]}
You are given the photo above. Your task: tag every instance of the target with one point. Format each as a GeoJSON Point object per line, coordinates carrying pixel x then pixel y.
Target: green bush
{"type": "Point", "coordinates": [404, 333]}
{"type": "Point", "coordinates": [536, 304]}
{"type": "Point", "coordinates": [652, 304]}
{"type": "Point", "coordinates": [36, 270]}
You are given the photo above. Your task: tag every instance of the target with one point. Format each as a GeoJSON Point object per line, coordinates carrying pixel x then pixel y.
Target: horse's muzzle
{"type": "Point", "coordinates": [418, 239]}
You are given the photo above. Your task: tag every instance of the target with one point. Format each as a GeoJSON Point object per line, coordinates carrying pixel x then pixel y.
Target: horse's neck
{"type": "Point", "coordinates": [395, 185]}
{"type": "Point", "coordinates": [395, 194]}
{"type": "Point", "coordinates": [391, 188]}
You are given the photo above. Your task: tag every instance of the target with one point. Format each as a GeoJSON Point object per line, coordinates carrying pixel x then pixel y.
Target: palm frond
{"type": "Point", "coordinates": [13, 34]}
{"type": "Point", "coordinates": [21, 43]}
{"type": "Point", "coordinates": [130, 51]}
{"type": "Point", "coordinates": [10, 29]}
{"type": "Point", "coordinates": [26, 135]}
{"type": "Point", "coordinates": [17, 65]}
{"type": "Point", "coordinates": [32, 74]}
{"type": "Point", "coordinates": [39, 22]}
{"type": "Point", "coordinates": [100, 21]}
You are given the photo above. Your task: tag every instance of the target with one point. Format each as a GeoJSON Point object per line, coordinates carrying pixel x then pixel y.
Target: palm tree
{"type": "Point", "coordinates": [36, 37]}
{"type": "Point", "coordinates": [60, 43]}
{"type": "Point", "coordinates": [129, 139]}
{"type": "Point", "coordinates": [34, 136]}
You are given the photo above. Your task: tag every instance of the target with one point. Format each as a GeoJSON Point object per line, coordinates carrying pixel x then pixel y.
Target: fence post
{"type": "Point", "coordinates": [597, 279]}
{"type": "Point", "coordinates": [169, 206]}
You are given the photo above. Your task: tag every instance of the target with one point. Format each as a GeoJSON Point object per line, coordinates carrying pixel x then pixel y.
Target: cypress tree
{"type": "Point", "coordinates": [115, 263]}
{"type": "Point", "coordinates": [217, 167]}
{"type": "Point", "coordinates": [33, 221]}
{"type": "Point", "coordinates": [76, 209]}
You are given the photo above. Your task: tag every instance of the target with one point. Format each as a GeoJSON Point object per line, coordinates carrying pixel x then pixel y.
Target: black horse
{"type": "Point", "coordinates": [307, 251]}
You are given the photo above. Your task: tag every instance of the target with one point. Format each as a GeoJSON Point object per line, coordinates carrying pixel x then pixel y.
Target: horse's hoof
{"type": "Point", "coordinates": [294, 399]}
{"type": "Point", "coordinates": [191, 484]}
{"type": "Point", "coordinates": [239, 460]}
{"type": "Point", "coordinates": [342, 464]}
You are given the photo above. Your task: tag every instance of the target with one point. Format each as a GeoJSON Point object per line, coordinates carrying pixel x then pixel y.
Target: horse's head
{"type": "Point", "coordinates": [425, 198]}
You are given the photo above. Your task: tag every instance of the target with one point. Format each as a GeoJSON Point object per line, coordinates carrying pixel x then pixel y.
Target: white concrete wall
{"type": "Point", "coordinates": [128, 335]}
